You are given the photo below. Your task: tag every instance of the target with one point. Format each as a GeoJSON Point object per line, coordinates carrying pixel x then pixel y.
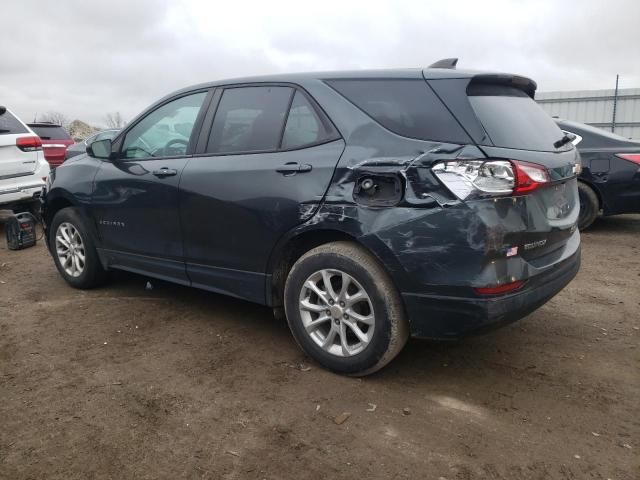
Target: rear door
{"type": "Point", "coordinates": [135, 198]}
{"type": "Point", "coordinates": [264, 163]}
{"type": "Point", "coordinates": [15, 161]}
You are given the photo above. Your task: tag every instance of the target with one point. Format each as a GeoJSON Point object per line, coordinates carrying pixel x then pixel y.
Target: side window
{"type": "Point", "coordinates": [165, 132]}
{"type": "Point", "coordinates": [303, 127]}
{"type": "Point", "coordinates": [11, 125]}
{"type": "Point", "coordinates": [406, 107]}
{"type": "Point", "coordinates": [249, 119]}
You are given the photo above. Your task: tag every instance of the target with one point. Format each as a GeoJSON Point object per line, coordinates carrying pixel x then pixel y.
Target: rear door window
{"type": "Point", "coordinates": [512, 119]}
{"type": "Point", "coordinates": [249, 119]}
{"type": "Point", "coordinates": [10, 125]}
{"type": "Point", "coordinates": [407, 107]}
{"type": "Point", "coordinates": [304, 126]}
{"type": "Point", "coordinates": [52, 132]}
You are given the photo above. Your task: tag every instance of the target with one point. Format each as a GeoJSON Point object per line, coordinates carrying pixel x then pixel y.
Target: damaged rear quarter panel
{"type": "Point", "coordinates": [429, 241]}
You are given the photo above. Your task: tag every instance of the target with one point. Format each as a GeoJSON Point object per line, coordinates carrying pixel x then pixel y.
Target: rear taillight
{"type": "Point", "coordinates": [632, 157]}
{"type": "Point", "coordinates": [490, 178]}
{"type": "Point", "coordinates": [29, 144]}
{"type": "Point", "coordinates": [529, 177]}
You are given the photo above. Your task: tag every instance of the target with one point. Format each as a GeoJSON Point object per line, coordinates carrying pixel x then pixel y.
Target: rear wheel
{"type": "Point", "coordinates": [344, 310]}
{"type": "Point", "coordinates": [73, 250]}
{"type": "Point", "coordinates": [589, 206]}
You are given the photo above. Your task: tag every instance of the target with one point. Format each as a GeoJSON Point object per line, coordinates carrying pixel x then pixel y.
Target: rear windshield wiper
{"type": "Point", "coordinates": [4, 130]}
{"type": "Point", "coordinates": [563, 141]}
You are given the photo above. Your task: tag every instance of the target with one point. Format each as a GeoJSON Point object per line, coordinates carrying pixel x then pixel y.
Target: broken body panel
{"type": "Point", "coordinates": [438, 248]}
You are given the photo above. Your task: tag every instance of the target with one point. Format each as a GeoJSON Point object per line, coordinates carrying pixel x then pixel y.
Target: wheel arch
{"type": "Point", "coordinates": [297, 244]}
{"type": "Point", "coordinates": [596, 190]}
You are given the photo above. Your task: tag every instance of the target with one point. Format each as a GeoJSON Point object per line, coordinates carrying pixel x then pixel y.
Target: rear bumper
{"type": "Point", "coordinates": [448, 317]}
{"type": "Point", "coordinates": [20, 194]}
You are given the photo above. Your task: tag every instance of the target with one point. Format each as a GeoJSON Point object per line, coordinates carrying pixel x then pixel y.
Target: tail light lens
{"type": "Point", "coordinates": [632, 157]}
{"type": "Point", "coordinates": [469, 179]}
{"type": "Point", "coordinates": [529, 177]}
{"type": "Point", "coordinates": [500, 289]}
{"type": "Point", "coordinates": [29, 144]}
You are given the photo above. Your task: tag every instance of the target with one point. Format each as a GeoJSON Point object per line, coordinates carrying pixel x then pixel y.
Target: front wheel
{"type": "Point", "coordinates": [344, 310]}
{"type": "Point", "coordinates": [73, 250]}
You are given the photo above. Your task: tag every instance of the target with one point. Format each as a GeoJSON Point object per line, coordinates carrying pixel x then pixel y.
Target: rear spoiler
{"type": "Point", "coordinates": [525, 84]}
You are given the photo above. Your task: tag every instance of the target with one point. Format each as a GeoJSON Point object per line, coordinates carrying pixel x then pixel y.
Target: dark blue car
{"type": "Point", "coordinates": [610, 180]}
{"type": "Point", "coordinates": [366, 206]}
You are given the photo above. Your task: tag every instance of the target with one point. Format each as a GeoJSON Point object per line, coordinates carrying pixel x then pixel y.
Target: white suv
{"type": "Point", "coordinates": [23, 169]}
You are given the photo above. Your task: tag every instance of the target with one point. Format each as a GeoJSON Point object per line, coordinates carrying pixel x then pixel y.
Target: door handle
{"type": "Point", "coordinates": [165, 172]}
{"type": "Point", "coordinates": [291, 168]}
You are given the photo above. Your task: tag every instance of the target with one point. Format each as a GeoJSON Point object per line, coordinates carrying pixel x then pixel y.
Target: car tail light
{"type": "Point", "coordinates": [529, 177]}
{"type": "Point", "coordinates": [499, 289]}
{"type": "Point", "coordinates": [469, 179]}
{"type": "Point", "coordinates": [632, 157]}
{"type": "Point", "coordinates": [29, 144]}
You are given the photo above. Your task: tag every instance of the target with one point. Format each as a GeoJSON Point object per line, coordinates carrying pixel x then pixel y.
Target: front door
{"type": "Point", "coordinates": [135, 198]}
{"type": "Point", "coordinates": [268, 161]}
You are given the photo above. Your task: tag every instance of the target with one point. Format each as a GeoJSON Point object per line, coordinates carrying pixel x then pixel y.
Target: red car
{"type": "Point", "coordinates": [55, 141]}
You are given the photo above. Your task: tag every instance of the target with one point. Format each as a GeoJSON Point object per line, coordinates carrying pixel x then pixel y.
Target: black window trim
{"type": "Point", "coordinates": [118, 142]}
{"type": "Point", "coordinates": [205, 132]}
{"type": "Point", "coordinates": [327, 81]}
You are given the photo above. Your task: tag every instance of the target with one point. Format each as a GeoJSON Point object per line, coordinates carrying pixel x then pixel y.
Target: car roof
{"type": "Point", "coordinates": [396, 73]}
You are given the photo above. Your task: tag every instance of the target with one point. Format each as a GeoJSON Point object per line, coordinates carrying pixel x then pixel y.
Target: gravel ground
{"type": "Point", "coordinates": [125, 382]}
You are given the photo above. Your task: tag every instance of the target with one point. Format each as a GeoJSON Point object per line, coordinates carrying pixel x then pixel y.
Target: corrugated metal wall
{"type": "Point", "coordinates": [595, 107]}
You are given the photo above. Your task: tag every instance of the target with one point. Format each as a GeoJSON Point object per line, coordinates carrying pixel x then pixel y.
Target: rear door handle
{"type": "Point", "coordinates": [291, 168]}
{"type": "Point", "coordinates": [165, 172]}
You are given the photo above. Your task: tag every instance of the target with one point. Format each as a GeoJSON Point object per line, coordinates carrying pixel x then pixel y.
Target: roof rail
{"type": "Point", "coordinates": [445, 63]}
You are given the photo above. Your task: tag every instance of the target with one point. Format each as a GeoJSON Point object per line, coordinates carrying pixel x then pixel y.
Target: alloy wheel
{"type": "Point", "coordinates": [337, 312]}
{"type": "Point", "coordinates": [70, 249]}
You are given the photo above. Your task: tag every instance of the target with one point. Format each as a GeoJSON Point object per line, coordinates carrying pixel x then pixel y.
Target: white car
{"type": "Point", "coordinates": [23, 168]}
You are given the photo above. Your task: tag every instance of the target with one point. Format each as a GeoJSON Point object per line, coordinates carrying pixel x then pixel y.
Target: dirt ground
{"type": "Point", "coordinates": [125, 382]}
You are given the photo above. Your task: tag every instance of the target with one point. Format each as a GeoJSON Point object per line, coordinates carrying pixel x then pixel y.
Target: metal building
{"type": "Point", "coordinates": [596, 107]}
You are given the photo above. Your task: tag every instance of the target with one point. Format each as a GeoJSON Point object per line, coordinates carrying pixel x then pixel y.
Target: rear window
{"type": "Point", "coordinates": [10, 125]}
{"type": "Point", "coordinates": [407, 107]}
{"type": "Point", "coordinates": [52, 132]}
{"type": "Point", "coordinates": [512, 119]}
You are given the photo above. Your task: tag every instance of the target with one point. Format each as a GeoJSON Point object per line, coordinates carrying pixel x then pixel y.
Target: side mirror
{"type": "Point", "coordinates": [2, 110]}
{"type": "Point", "coordinates": [100, 149]}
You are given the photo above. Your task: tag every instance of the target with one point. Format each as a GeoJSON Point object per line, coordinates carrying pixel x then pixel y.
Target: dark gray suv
{"type": "Point", "coordinates": [367, 206]}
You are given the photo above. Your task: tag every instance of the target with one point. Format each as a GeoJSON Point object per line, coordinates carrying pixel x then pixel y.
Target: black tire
{"type": "Point", "coordinates": [391, 329]}
{"type": "Point", "coordinates": [589, 206]}
{"type": "Point", "coordinates": [92, 274]}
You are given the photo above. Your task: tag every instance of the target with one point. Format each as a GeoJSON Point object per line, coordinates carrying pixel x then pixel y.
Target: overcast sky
{"type": "Point", "coordinates": [86, 58]}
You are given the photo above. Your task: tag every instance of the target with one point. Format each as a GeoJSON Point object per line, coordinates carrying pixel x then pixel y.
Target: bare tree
{"type": "Point", "coordinates": [55, 117]}
{"type": "Point", "coordinates": [114, 120]}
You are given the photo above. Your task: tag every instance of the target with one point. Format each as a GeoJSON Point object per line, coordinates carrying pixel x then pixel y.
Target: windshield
{"type": "Point", "coordinates": [513, 120]}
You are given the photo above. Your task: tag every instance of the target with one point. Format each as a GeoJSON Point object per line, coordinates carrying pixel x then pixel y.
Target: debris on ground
{"type": "Point", "coordinates": [343, 417]}
{"type": "Point", "coordinates": [406, 411]}
{"type": "Point", "coordinates": [231, 452]}
{"type": "Point", "coordinates": [372, 407]}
